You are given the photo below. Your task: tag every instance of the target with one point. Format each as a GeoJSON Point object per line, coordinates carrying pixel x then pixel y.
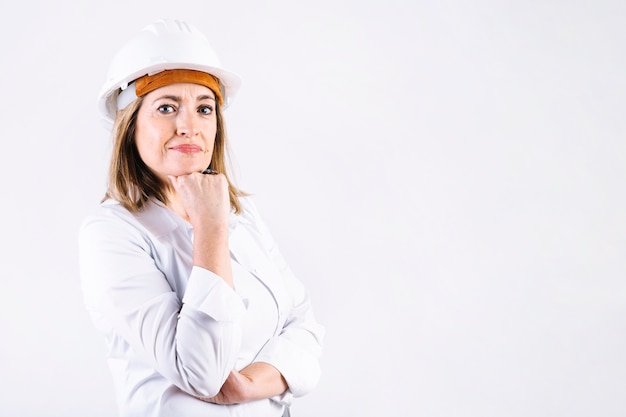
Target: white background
{"type": "Point", "coordinates": [446, 177]}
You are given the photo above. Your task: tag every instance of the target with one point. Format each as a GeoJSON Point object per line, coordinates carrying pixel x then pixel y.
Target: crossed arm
{"type": "Point", "coordinates": [257, 381]}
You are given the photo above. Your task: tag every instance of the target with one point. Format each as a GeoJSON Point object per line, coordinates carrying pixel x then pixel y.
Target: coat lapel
{"type": "Point", "coordinates": [247, 249]}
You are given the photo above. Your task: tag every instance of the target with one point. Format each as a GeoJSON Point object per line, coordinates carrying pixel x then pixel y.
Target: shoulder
{"type": "Point", "coordinates": [248, 207]}
{"type": "Point", "coordinates": [109, 211]}
{"type": "Point", "coordinates": [111, 222]}
{"type": "Point", "coordinates": [250, 214]}
{"type": "Point", "coordinates": [253, 220]}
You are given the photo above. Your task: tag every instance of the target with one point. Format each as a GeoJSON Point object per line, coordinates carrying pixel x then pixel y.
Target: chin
{"type": "Point", "coordinates": [186, 170]}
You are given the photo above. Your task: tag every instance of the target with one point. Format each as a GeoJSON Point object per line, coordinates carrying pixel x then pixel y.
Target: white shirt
{"type": "Point", "coordinates": [174, 330]}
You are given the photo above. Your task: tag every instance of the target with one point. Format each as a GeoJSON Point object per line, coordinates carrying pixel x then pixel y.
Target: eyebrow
{"type": "Point", "coordinates": [178, 99]}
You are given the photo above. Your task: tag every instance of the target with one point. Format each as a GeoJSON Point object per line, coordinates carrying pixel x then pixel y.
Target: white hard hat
{"type": "Point", "coordinates": [163, 45]}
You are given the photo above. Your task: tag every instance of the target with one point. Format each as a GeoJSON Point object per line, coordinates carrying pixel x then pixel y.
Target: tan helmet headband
{"type": "Point", "coordinates": [149, 83]}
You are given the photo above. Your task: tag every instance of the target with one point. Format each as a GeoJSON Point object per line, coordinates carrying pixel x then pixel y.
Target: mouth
{"type": "Point", "coordinates": [186, 148]}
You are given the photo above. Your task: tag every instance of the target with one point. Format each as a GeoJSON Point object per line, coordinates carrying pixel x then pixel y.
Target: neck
{"type": "Point", "coordinates": [174, 204]}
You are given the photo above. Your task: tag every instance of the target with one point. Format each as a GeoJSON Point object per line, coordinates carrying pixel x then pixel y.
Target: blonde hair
{"type": "Point", "coordinates": [132, 183]}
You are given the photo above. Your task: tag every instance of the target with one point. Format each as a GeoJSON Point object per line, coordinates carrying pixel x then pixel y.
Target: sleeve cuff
{"type": "Point", "coordinates": [208, 293]}
{"type": "Point", "coordinates": [299, 367]}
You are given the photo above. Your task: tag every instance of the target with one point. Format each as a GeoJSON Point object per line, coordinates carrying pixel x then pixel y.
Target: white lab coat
{"type": "Point", "coordinates": [174, 330]}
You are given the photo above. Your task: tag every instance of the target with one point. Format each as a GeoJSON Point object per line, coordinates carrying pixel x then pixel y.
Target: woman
{"type": "Point", "coordinates": [201, 314]}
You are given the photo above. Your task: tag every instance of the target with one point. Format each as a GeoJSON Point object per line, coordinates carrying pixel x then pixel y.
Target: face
{"type": "Point", "coordinates": [175, 129]}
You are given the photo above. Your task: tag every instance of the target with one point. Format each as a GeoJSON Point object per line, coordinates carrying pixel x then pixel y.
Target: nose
{"type": "Point", "coordinates": [186, 124]}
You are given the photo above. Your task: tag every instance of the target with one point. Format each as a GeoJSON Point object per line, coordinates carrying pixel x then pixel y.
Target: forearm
{"type": "Point", "coordinates": [195, 344]}
{"type": "Point", "coordinates": [210, 251]}
{"type": "Point", "coordinates": [257, 381]}
{"type": "Point", "coordinates": [265, 381]}
{"type": "Point", "coordinates": [203, 201]}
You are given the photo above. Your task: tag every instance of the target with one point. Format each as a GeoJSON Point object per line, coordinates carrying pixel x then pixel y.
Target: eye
{"type": "Point", "coordinates": [205, 110]}
{"type": "Point", "coordinates": [166, 108]}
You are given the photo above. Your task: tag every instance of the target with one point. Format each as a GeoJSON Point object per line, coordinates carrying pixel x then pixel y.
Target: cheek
{"type": "Point", "coordinates": [141, 141]}
{"type": "Point", "coordinates": [148, 136]}
{"type": "Point", "coordinates": [210, 133]}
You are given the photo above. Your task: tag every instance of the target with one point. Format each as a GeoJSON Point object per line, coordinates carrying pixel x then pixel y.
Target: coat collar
{"type": "Point", "coordinates": [247, 246]}
{"type": "Point", "coordinates": [162, 221]}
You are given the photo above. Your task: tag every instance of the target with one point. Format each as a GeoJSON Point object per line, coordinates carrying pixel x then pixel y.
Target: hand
{"type": "Point", "coordinates": [205, 198]}
{"type": "Point", "coordinates": [234, 390]}
{"type": "Point", "coordinates": [255, 382]}
{"type": "Point", "coordinates": [206, 203]}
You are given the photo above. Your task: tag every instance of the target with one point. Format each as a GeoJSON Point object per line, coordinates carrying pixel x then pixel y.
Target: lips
{"type": "Point", "coordinates": [187, 148]}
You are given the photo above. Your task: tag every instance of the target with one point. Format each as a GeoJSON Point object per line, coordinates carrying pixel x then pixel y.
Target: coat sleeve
{"type": "Point", "coordinates": [193, 344]}
{"type": "Point", "coordinates": [297, 349]}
